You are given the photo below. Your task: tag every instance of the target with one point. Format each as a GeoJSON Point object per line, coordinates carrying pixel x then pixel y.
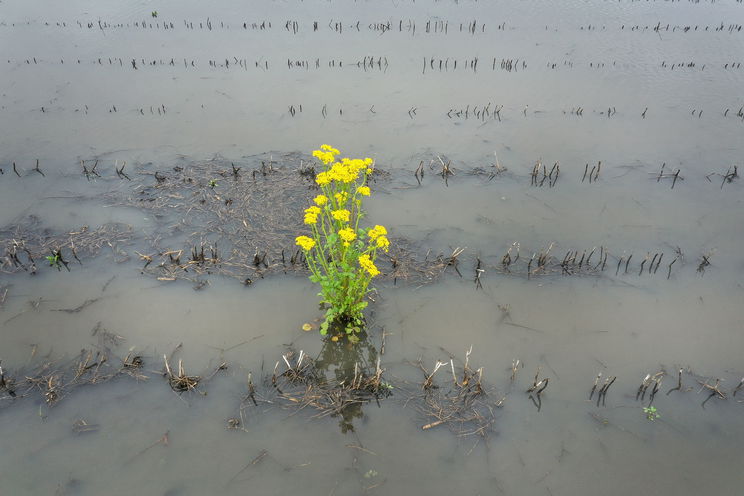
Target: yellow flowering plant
{"type": "Point", "coordinates": [340, 253]}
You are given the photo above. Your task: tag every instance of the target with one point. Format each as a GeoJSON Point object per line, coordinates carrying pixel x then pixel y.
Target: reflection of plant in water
{"type": "Point", "coordinates": [651, 413]}
{"type": "Point", "coordinates": [340, 254]}
{"type": "Point", "coordinates": [348, 362]}
{"type": "Point", "coordinates": [343, 357]}
{"type": "Point", "coordinates": [338, 383]}
{"type": "Point", "coordinates": [348, 414]}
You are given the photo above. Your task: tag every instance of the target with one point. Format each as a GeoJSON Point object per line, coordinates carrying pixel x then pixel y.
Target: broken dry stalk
{"type": "Point", "coordinates": [428, 382]}
{"type": "Point", "coordinates": [538, 386]}
{"type": "Point", "coordinates": [466, 368]}
{"type": "Point", "coordinates": [515, 366]}
{"type": "Point", "coordinates": [642, 388]}
{"type": "Point", "coordinates": [180, 382]}
{"type": "Point", "coordinates": [714, 390]}
{"type": "Point", "coordinates": [251, 389]}
{"type": "Point", "coordinates": [603, 391]}
{"type": "Point", "coordinates": [594, 386]}
{"type": "Point", "coordinates": [736, 389]}
{"type": "Point", "coordinates": [478, 273]}
{"type": "Point", "coordinates": [679, 383]}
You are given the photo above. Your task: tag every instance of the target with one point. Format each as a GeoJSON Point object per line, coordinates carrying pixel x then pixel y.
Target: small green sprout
{"type": "Point", "coordinates": [54, 260]}
{"type": "Point", "coordinates": [212, 183]}
{"type": "Point", "coordinates": [651, 413]}
{"type": "Point", "coordinates": [154, 13]}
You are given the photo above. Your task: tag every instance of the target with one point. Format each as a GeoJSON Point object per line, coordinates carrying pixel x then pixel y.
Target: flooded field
{"type": "Point", "coordinates": [561, 183]}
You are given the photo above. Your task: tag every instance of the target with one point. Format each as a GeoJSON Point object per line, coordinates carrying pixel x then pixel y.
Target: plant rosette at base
{"type": "Point", "coordinates": [341, 331]}
{"type": "Point", "coordinates": [340, 253]}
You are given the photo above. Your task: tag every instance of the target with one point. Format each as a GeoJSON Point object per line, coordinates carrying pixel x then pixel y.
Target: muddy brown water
{"type": "Point", "coordinates": [373, 86]}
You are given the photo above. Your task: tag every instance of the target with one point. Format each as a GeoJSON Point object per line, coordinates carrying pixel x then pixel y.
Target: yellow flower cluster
{"type": "Point", "coordinates": [339, 172]}
{"type": "Point", "coordinates": [329, 148]}
{"type": "Point", "coordinates": [326, 154]}
{"type": "Point", "coordinates": [383, 242]}
{"type": "Point", "coordinates": [322, 178]}
{"type": "Point", "coordinates": [325, 157]}
{"type": "Point", "coordinates": [341, 198]}
{"type": "Point", "coordinates": [356, 164]}
{"type": "Point", "coordinates": [342, 214]}
{"type": "Point", "coordinates": [367, 264]}
{"type": "Point", "coordinates": [377, 231]}
{"type": "Point", "coordinates": [311, 214]}
{"type": "Point", "coordinates": [305, 242]}
{"type": "Point", "coordinates": [363, 190]}
{"type": "Point", "coordinates": [346, 171]}
{"type": "Point", "coordinates": [378, 234]}
{"type": "Point", "coordinates": [320, 200]}
{"type": "Point", "coordinates": [348, 235]}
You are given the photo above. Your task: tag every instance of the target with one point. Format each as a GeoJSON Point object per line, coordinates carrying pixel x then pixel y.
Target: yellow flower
{"type": "Point", "coordinates": [354, 165]}
{"type": "Point", "coordinates": [323, 156]}
{"type": "Point", "coordinates": [329, 148]}
{"type": "Point", "coordinates": [347, 234]}
{"type": "Point", "coordinates": [311, 214]}
{"type": "Point", "coordinates": [383, 242]}
{"type": "Point", "coordinates": [377, 231]}
{"type": "Point", "coordinates": [321, 200]}
{"type": "Point", "coordinates": [341, 197]}
{"type": "Point", "coordinates": [341, 173]}
{"type": "Point", "coordinates": [305, 242]}
{"type": "Point", "coordinates": [342, 215]}
{"type": "Point", "coordinates": [363, 190]}
{"type": "Point", "coordinates": [367, 264]}
{"type": "Point", "coordinates": [322, 178]}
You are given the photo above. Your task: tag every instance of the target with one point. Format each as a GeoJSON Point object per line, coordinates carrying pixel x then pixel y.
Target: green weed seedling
{"type": "Point", "coordinates": [651, 413]}
{"type": "Point", "coordinates": [56, 260]}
